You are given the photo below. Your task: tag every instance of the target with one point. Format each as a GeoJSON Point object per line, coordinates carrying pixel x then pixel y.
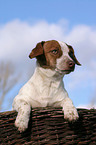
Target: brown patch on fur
{"type": "Point", "coordinates": [44, 52]}
{"type": "Point", "coordinates": [38, 50]}
{"type": "Point", "coordinates": [49, 48]}
{"type": "Point", "coordinates": [72, 55]}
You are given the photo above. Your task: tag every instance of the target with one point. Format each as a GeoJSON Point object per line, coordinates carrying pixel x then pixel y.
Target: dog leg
{"type": "Point", "coordinates": [23, 116]}
{"type": "Point", "coordinates": [70, 112]}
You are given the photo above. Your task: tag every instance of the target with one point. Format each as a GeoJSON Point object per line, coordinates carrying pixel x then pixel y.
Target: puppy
{"type": "Point", "coordinates": [46, 88]}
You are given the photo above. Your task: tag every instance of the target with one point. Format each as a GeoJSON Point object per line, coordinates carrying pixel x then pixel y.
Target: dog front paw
{"type": "Point", "coordinates": [71, 114]}
{"type": "Point", "coordinates": [21, 124]}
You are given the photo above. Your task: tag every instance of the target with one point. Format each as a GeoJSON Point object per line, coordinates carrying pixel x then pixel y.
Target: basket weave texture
{"type": "Point", "coordinates": [48, 127]}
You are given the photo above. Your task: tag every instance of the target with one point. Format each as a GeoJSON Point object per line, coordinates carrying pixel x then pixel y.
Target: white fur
{"type": "Point", "coordinates": [64, 57]}
{"type": "Point", "coordinates": [45, 88]}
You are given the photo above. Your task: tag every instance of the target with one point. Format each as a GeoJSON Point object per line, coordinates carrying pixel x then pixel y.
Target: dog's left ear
{"type": "Point", "coordinates": [38, 50]}
{"type": "Point", "coordinates": [76, 61]}
{"type": "Point", "coordinates": [72, 55]}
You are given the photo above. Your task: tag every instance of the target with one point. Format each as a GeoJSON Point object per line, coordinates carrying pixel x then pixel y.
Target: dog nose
{"type": "Point", "coordinates": [71, 64]}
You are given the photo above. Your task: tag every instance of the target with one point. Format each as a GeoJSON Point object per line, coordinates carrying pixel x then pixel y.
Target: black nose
{"type": "Point", "coordinates": [71, 64]}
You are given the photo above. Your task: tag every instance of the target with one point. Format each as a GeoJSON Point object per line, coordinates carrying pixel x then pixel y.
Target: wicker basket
{"type": "Point", "coordinates": [48, 127]}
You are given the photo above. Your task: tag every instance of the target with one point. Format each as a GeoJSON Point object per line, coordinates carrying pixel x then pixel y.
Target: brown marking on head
{"type": "Point", "coordinates": [47, 53]}
{"type": "Point", "coordinates": [72, 55]}
{"type": "Point", "coordinates": [52, 50]}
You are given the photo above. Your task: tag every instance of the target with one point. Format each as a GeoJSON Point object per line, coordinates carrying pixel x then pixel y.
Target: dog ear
{"type": "Point", "coordinates": [38, 50]}
{"type": "Point", "coordinates": [72, 55]}
{"type": "Point", "coordinates": [75, 60]}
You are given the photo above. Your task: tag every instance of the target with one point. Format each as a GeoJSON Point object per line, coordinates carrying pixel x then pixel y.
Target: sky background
{"type": "Point", "coordinates": [24, 23]}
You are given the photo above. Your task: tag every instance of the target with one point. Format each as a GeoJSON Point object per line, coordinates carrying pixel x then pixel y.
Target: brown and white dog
{"type": "Point", "coordinates": [46, 88]}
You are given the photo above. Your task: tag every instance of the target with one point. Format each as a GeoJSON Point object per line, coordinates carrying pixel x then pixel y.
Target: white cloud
{"type": "Point", "coordinates": [86, 106]}
{"type": "Point", "coordinates": [83, 37]}
{"type": "Point", "coordinates": [17, 38]}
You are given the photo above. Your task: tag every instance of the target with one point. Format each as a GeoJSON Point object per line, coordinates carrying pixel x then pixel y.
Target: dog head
{"type": "Point", "coordinates": [55, 55]}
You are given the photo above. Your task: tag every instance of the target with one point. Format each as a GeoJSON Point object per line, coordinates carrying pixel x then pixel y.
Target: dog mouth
{"type": "Point", "coordinates": [65, 71]}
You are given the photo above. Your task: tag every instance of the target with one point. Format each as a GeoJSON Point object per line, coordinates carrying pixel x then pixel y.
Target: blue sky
{"type": "Point", "coordinates": [25, 22]}
{"type": "Point", "coordinates": [77, 12]}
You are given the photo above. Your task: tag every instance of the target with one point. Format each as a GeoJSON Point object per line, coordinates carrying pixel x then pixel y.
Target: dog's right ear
{"type": "Point", "coordinates": [38, 50]}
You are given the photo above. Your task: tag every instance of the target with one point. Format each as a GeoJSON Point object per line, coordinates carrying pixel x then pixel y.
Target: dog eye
{"type": "Point", "coordinates": [54, 51]}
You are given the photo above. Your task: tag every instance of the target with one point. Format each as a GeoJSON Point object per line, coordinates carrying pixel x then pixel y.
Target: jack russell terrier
{"type": "Point", "coordinates": [46, 88]}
